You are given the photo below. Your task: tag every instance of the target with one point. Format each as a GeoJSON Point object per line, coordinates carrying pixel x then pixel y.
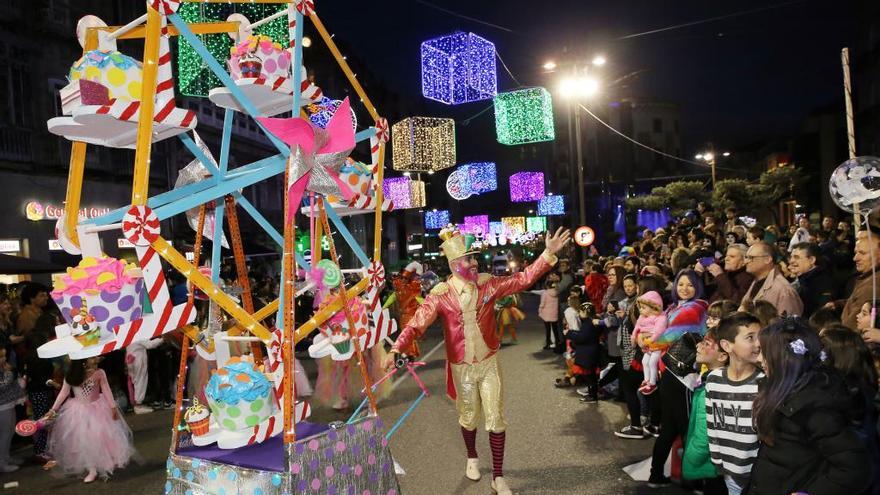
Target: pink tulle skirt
{"type": "Point", "coordinates": [85, 436]}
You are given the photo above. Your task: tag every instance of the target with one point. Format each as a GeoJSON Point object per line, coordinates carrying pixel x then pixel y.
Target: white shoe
{"type": "Point", "coordinates": [139, 409]}
{"type": "Point", "coordinates": [9, 468]}
{"type": "Point", "coordinates": [500, 486]}
{"type": "Point", "coordinates": [472, 471]}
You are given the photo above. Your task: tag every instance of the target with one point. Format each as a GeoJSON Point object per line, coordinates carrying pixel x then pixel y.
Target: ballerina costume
{"type": "Point", "coordinates": [86, 421]}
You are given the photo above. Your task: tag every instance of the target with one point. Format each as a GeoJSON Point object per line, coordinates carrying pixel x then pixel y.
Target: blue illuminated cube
{"type": "Point", "coordinates": [459, 68]}
{"type": "Point", "coordinates": [551, 205]}
{"type": "Point", "coordinates": [436, 219]}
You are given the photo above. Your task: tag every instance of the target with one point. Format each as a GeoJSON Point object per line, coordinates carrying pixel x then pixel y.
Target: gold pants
{"type": "Point", "coordinates": [478, 386]}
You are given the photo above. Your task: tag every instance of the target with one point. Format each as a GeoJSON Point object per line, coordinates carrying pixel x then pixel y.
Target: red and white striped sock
{"type": "Point", "coordinates": [496, 441]}
{"type": "Point", "coordinates": [470, 442]}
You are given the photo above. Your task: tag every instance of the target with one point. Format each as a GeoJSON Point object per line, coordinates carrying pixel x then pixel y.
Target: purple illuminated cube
{"type": "Point", "coordinates": [526, 186]}
{"type": "Point", "coordinates": [458, 68]}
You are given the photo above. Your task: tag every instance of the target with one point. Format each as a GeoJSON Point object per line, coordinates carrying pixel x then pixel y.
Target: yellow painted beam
{"type": "Point", "coordinates": [267, 311]}
{"type": "Point", "coordinates": [74, 189]}
{"type": "Point", "coordinates": [380, 196]}
{"type": "Point", "coordinates": [179, 262]}
{"type": "Point", "coordinates": [140, 32]}
{"type": "Point", "coordinates": [321, 316]}
{"type": "Point", "coordinates": [141, 183]}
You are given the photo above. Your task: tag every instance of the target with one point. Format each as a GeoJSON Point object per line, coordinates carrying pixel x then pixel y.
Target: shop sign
{"type": "Point", "coordinates": [36, 211]}
{"type": "Point", "coordinates": [10, 246]}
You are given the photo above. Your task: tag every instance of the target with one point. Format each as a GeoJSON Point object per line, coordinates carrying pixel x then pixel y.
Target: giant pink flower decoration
{"type": "Point", "coordinates": [316, 154]}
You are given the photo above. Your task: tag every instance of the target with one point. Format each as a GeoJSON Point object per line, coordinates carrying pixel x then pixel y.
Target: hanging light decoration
{"type": "Point", "coordinates": [526, 186]}
{"type": "Point", "coordinates": [513, 226]}
{"type": "Point", "coordinates": [458, 68]}
{"type": "Point", "coordinates": [536, 224]}
{"type": "Point", "coordinates": [423, 144]}
{"type": "Point", "coordinates": [471, 179]}
{"type": "Point", "coordinates": [404, 192]}
{"type": "Point", "coordinates": [524, 116]}
{"type": "Point", "coordinates": [194, 78]}
{"type": "Point", "coordinates": [551, 205]}
{"type": "Point", "coordinates": [436, 219]}
{"type": "Point", "coordinates": [475, 224]}
{"type": "Point", "coordinates": [323, 110]}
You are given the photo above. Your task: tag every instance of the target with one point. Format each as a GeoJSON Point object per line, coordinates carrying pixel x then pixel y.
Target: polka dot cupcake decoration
{"type": "Point", "coordinates": [119, 73]}
{"type": "Point", "coordinates": [239, 395]}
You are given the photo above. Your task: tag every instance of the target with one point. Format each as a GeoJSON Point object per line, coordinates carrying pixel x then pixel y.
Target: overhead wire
{"type": "Point", "coordinates": [713, 19]}
{"type": "Point", "coordinates": [465, 17]}
{"type": "Point", "coordinates": [654, 150]}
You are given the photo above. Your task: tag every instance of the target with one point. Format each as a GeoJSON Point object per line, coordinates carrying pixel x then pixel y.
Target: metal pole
{"type": "Point", "coordinates": [712, 163]}
{"type": "Point", "coordinates": [582, 212]}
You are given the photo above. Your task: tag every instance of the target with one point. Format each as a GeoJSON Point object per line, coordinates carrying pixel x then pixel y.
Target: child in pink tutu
{"type": "Point", "coordinates": [87, 420]}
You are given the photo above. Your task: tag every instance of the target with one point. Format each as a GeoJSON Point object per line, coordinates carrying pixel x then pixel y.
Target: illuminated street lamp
{"type": "Point", "coordinates": [710, 157]}
{"type": "Point", "coordinates": [599, 60]}
{"type": "Point", "coordinates": [549, 65]}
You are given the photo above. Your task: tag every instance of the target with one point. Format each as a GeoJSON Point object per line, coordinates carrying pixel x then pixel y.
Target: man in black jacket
{"type": "Point", "coordinates": [814, 284]}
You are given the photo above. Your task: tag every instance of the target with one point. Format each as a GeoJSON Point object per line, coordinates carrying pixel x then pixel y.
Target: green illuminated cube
{"type": "Point", "coordinates": [524, 116]}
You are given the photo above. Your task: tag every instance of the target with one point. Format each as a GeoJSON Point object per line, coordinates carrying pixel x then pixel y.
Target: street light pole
{"type": "Point", "coordinates": [582, 210]}
{"type": "Point", "coordinates": [712, 164]}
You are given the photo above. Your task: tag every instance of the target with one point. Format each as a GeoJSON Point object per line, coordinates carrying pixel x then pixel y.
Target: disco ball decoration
{"type": "Point", "coordinates": [472, 179]}
{"type": "Point", "coordinates": [856, 181]}
{"type": "Point", "coordinates": [323, 110]}
{"type": "Point", "coordinates": [458, 68]}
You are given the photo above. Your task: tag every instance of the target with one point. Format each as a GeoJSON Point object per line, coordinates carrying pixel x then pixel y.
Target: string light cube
{"type": "Point", "coordinates": [436, 219]}
{"type": "Point", "coordinates": [513, 226]}
{"type": "Point", "coordinates": [397, 189]}
{"type": "Point", "coordinates": [404, 192]}
{"type": "Point", "coordinates": [422, 144]}
{"type": "Point", "coordinates": [476, 224]}
{"type": "Point", "coordinates": [459, 68]}
{"type": "Point", "coordinates": [496, 228]}
{"type": "Point", "coordinates": [536, 224]}
{"type": "Point", "coordinates": [551, 205]}
{"type": "Point", "coordinates": [194, 76]}
{"type": "Point", "coordinates": [526, 186]}
{"type": "Point", "coordinates": [417, 196]}
{"type": "Point", "coordinates": [524, 116]}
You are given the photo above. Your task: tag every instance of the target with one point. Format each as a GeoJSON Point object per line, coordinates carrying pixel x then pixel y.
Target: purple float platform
{"type": "Point", "coordinates": [266, 456]}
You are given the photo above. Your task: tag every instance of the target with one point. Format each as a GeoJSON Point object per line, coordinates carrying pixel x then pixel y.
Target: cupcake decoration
{"type": "Point", "coordinates": [197, 418]}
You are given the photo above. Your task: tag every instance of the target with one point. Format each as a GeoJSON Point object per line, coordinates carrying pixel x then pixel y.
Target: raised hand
{"type": "Point", "coordinates": [555, 242]}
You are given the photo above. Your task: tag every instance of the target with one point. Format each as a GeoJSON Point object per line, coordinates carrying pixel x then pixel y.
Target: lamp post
{"type": "Point", "coordinates": [576, 88]}
{"type": "Point", "coordinates": [710, 157]}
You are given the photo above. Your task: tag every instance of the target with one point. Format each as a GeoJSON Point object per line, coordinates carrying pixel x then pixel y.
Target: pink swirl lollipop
{"type": "Point", "coordinates": [28, 427]}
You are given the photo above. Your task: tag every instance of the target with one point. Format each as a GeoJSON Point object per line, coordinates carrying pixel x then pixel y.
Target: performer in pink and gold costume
{"type": "Point", "coordinates": [466, 303]}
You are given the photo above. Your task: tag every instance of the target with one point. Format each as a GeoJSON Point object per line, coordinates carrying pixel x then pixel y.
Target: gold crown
{"type": "Point", "coordinates": [455, 245]}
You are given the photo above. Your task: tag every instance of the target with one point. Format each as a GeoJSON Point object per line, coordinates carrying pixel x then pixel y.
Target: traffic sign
{"type": "Point", "coordinates": [584, 236]}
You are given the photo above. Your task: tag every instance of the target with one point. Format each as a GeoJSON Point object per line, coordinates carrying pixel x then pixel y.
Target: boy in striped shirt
{"type": "Point", "coordinates": [730, 391]}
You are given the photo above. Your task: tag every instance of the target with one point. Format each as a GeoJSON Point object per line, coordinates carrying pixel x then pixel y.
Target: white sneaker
{"type": "Point", "coordinates": [500, 486]}
{"type": "Point", "coordinates": [472, 470]}
{"type": "Point", "coordinates": [139, 409]}
{"type": "Point", "coordinates": [9, 468]}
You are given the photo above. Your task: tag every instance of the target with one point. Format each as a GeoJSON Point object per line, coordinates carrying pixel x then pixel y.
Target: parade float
{"type": "Point", "coordinates": [250, 434]}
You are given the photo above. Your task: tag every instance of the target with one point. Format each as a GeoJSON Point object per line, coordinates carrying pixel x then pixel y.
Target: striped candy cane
{"type": "Point", "coordinates": [164, 7]}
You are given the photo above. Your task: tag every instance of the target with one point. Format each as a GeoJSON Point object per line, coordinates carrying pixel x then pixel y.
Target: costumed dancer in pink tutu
{"type": "Point", "coordinates": [89, 434]}
{"type": "Point", "coordinates": [465, 302]}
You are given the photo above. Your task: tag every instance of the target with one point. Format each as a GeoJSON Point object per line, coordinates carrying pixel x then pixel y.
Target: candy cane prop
{"type": "Point", "coordinates": [140, 225]}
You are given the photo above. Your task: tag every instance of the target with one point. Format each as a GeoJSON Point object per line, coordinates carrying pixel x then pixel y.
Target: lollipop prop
{"type": "Point", "coordinates": [29, 427]}
{"type": "Point", "coordinates": [856, 182]}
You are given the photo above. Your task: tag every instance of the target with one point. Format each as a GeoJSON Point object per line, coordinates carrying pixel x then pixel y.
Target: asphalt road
{"type": "Point", "coordinates": [555, 444]}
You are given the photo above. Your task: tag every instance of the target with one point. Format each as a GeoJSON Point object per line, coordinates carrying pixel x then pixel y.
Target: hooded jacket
{"type": "Point", "coordinates": [815, 450]}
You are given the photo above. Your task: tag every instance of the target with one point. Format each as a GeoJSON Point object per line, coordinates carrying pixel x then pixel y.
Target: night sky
{"type": "Point", "coordinates": [738, 80]}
